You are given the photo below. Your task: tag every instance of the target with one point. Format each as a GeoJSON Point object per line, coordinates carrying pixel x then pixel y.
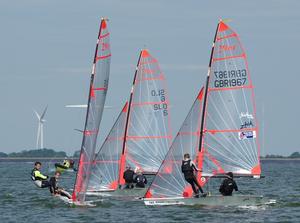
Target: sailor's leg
{"type": "Point", "coordinates": [45, 184]}
{"type": "Point", "coordinates": [65, 194]}
{"type": "Point", "coordinates": [191, 182]}
{"type": "Point", "coordinates": [38, 183]}
{"type": "Point", "coordinates": [197, 183]}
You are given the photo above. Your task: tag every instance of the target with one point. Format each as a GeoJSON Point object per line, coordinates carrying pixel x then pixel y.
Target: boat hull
{"type": "Point", "coordinates": [130, 193]}
{"type": "Point", "coordinates": [212, 200]}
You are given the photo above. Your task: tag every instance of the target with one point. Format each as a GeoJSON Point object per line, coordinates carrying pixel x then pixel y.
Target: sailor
{"type": "Point", "coordinates": [228, 185]}
{"type": "Point", "coordinates": [140, 179]}
{"type": "Point", "coordinates": [128, 177]}
{"type": "Point", "coordinates": [39, 179]}
{"type": "Point", "coordinates": [54, 189]}
{"type": "Point", "coordinates": [66, 164]}
{"type": "Point", "coordinates": [188, 167]}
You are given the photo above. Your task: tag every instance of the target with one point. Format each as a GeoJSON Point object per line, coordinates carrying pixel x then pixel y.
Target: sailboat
{"type": "Point", "coordinates": [96, 100]}
{"type": "Point", "coordinates": [220, 131]}
{"type": "Point", "coordinates": [140, 137]}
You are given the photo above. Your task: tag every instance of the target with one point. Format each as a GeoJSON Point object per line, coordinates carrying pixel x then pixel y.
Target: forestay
{"type": "Point", "coordinates": [230, 128]}
{"type": "Point", "coordinates": [148, 132]}
{"type": "Point", "coordinates": [105, 169]}
{"type": "Point", "coordinates": [97, 95]}
{"type": "Point", "coordinates": [169, 181]}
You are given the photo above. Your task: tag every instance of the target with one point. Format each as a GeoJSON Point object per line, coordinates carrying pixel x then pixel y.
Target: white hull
{"type": "Point", "coordinates": [132, 193]}
{"type": "Point", "coordinates": [212, 200]}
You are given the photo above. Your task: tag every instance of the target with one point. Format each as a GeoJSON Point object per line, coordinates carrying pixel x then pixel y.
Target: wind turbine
{"type": "Point", "coordinates": [40, 131]}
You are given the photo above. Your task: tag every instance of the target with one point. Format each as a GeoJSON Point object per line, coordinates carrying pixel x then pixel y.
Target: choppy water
{"type": "Point", "coordinates": [21, 201]}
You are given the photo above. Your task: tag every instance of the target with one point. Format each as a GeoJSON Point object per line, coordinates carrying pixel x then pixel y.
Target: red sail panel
{"type": "Point", "coordinates": [148, 132]}
{"type": "Point", "coordinates": [169, 181]}
{"type": "Point", "coordinates": [98, 89]}
{"type": "Point", "coordinates": [230, 133]}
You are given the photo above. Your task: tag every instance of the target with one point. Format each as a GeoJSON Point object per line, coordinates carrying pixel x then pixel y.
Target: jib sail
{"type": "Point", "coordinates": [169, 181]}
{"type": "Point", "coordinates": [105, 169]}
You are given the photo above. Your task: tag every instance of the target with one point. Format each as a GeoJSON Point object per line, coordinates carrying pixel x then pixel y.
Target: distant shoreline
{"type": "Point", "coordinates": [74, 158]}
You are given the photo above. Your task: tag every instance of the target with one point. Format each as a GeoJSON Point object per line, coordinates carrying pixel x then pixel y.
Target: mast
{"type": "Point", "coordinates": [122, 160]}
{"type": "Point", "coordinates": [206, 89]}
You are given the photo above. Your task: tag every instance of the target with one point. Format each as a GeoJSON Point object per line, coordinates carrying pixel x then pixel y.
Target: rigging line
{"type": "Point", "coordinates": [142, 149]}
{"type": "Point", "coordinates": [154, 113]}
{"type": "Point", "coordinates": [233, 146]}
{"type": "Point", "coordinates": [226, 157]}
{"type": "Point", "coordinates": [250, 151]}
{"type": "Point", "coordinates": [141, 124]}
{"type": "Point", "coordinates": [166, 189]}
{"type": "Point", "coordinates": [162, 82]}
{"type": "Point", "coordinates": [235, 39]}
{"type": "Point", "coordinates": [231, 118]}
{"type": "Point", "coordinates": [222, 118]}
{"type": "Point", "coordinates": [172, 179]}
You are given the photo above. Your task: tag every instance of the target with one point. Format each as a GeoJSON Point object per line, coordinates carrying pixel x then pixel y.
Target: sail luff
{"type": "Point", "coordinates": [94, 112]}
{"type": "Point", "coordinates": [123, 158]}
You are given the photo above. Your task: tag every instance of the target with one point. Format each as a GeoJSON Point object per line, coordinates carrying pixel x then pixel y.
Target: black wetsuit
{"type": "Point", "coordinates": [188, 169]}
{"type": "Point", "coordinates": [128, 177]}
{"type": "Point", "coordinates": [140, 180]}
{"type": "Point", "coordinates": [54, 189]}
{"type": "Point", "coordinates": [227, 187]}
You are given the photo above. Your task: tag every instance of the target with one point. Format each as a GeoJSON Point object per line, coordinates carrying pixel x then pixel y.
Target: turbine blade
{"type": "Point", "coordinates": [42, 116]}
{"type": "Point", "coordinates": [37, 114]}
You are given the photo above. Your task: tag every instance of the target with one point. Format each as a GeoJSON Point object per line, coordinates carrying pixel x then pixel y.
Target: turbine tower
{"type": "Point", "coordinates": [40, 131]}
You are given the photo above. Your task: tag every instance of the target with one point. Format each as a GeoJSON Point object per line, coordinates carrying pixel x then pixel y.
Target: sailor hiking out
{"type": "Point", "coordinates": [38, 178]}
{"type": "Point", "coordinates": [188, 168]}
{"type": "Point", "coordinates": [54, 189]}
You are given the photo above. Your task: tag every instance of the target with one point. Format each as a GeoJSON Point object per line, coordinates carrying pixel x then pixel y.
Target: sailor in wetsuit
{"type": "Point", "coordinates": [54, 189]}
{"type": "Point", "coordinates": [140, 179]}
{"type": "Point", "coordinates": [39, 179]}
{"type": "Point", "coordinates": [188, 167]}
{"type": "Point", "coordinates": [128, 177]}
{"type": "Point", "coordinates": [228, 185]}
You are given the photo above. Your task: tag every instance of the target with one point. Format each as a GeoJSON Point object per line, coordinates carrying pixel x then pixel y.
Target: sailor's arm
{"type": "Point", "coordinates": [38, 174]}
{"type": "Point", "coordinates": [194, 166]}
{"type": "Point", "coordinates": [235, 186]}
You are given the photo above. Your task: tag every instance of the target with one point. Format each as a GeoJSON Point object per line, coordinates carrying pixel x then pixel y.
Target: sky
{"type": "Point", "coordinates": [47, 47]}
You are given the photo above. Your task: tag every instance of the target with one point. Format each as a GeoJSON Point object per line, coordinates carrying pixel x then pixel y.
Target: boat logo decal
{"type": "Point", "coordinates": [247, 135]}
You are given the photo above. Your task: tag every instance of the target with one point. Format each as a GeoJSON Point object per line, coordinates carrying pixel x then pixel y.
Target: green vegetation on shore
{"type": "Point", "coordinates": [294, 155]}
{"type": "Point", "coordinates": [34, 153]}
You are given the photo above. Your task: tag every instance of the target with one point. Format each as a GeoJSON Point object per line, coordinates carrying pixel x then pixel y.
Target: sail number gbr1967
{"type": "Point", "coordinates": [160, 106]}
{"type": "Point", "coordinates": [230, 78]}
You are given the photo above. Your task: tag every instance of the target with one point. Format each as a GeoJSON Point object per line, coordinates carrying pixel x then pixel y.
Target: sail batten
{"type": "Point", "coordinates": [96, 100]}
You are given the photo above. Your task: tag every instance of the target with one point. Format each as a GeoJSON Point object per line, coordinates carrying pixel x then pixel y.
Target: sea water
{"type": "Point", "coordinates": [21, 201]}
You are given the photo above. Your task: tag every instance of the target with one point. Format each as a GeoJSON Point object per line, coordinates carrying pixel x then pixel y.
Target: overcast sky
{"type": "Point", "coordinates": [47, 47]}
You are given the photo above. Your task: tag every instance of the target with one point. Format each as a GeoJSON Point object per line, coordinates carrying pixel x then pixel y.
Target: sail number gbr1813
{"type": "Point", "coordinates": [230, 78]}
{"type": "Point", "coordinates": [162, 105]}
